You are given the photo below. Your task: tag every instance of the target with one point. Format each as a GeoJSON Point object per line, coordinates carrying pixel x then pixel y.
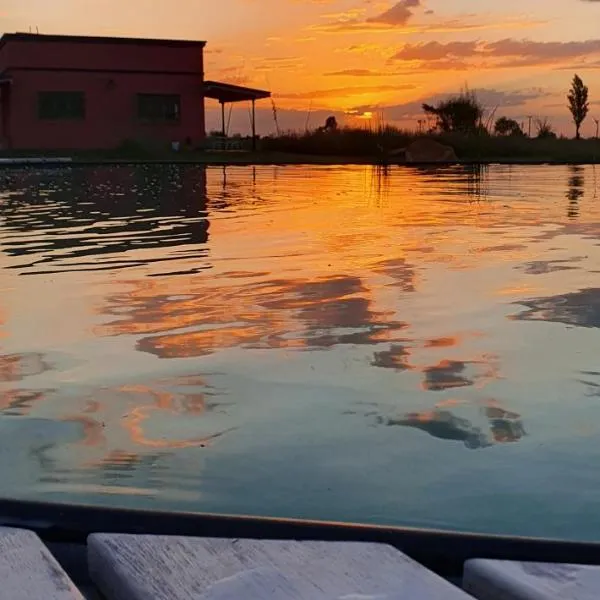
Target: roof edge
{"type": "Point", "coordinates": [85, 39]}
{"type": "Point", "coordinates": [218, 90]}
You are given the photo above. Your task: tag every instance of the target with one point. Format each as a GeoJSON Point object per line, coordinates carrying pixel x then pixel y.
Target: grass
{"type": "Point", "coordinates": [486, 148]}
{"type": "Point", "coordinates": [349, 146]}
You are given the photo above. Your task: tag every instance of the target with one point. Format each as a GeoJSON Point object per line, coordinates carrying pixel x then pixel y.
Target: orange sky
{"type": "Point", "coordinates": [346, 56]}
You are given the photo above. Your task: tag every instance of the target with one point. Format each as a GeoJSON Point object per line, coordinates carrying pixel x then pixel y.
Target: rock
{"type": "Point", "coordinates": [426, 151]}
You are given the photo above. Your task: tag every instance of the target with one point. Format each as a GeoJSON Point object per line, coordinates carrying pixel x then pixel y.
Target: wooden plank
{"type": "Point", "coordinates": [28, 571]}
{"type": "Point", "coordinates": [510, 580]}
{"type": "Point", "coordinates": [130, 567]}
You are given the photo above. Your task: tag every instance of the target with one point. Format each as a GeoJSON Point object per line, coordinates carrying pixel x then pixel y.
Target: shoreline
{"type": "Point", "coordinates": [264, 159]}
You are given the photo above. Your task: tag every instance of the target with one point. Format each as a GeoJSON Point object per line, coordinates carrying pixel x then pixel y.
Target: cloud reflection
{"type": "Point", "coordinates": [503, 426]}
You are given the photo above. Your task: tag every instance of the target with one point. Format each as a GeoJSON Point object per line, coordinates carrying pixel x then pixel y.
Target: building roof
{"type": "Point", "coordinates": [226, 92]}
{"type": "Point", "coordinates": [84, 39]}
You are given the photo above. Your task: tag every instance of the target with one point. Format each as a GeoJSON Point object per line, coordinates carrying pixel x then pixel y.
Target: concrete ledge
{"type": "Point", "coordinates": [509, 580]}
{"type": "Point", "coordinates": [130, 567]}
{"type": "Point", "coordinates": [28, 571]}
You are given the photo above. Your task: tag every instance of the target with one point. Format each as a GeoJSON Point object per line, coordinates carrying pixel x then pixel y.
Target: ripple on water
{"type": "Point", "coordinates": [402, 345]}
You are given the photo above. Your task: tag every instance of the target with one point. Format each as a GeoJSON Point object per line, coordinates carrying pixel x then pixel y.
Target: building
{"type": "Point", "coordinates": [75, 92]}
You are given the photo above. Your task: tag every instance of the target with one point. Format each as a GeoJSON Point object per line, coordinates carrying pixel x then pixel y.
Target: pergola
{"type": "Point", "coordinates": [226, 93]}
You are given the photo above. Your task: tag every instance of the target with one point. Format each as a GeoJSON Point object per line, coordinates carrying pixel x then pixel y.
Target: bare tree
{"type": "Point", "coordinates": [544, 128]}
{"type": "Point", "coordinates": [578, 103]}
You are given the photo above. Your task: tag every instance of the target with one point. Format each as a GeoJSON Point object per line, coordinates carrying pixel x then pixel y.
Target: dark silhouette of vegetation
{"type": "Point", "coordinates": [331, 124]}
{"type": "Point", "coordinates": [462, 113]}
{"type": "Point", "coordinates": [544, 129]}
{"type": "Point", "coordinates": [578, 103]}
{"type": "Point", "coordinates": [366, 145]}
{"type": "Point", "coordinates": [506, 126]}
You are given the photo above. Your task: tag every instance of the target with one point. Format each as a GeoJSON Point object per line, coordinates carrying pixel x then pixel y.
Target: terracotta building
{"type": "Point", "coordinates": [75, 92]}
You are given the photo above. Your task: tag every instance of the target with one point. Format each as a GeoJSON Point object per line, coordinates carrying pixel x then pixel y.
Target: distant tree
{"type": "Point", "coordinates": [578, 103]}
{"type": "Point", "coordinates": [506, 126]}
{"type": "Point", "coordinates": [544, 129]}
{"type": "Point", "coordinates": [462, 113]}
{"type": "Point", "coordinates": [331, 124]}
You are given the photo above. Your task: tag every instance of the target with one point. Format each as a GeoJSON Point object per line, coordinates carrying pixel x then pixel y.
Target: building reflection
{"type": "Point", "coordinates": [103, 217]}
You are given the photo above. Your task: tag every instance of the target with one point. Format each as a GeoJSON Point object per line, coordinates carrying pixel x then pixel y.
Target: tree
{"type": "Point", "coordinates": [462, 113]}
{"type": "Point", "coordinates": [544, 129]}
{"type": "Point", "coordinates": [578, 103]}
{"type": "Point", "coordinates": [506, 126]}
{"type": "Point", "coordinates": [331, 124]}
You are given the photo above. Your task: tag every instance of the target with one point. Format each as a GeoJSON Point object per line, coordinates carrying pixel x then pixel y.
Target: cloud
{"type": "Point", "coordinates": [489, 97]}
{"type": "Point", "coordinates": [358, 73]}
{"type": "Point", "coordinates": [399, 18]}
{"type": "Point", "coordinates": [501, 54]}
{"type": "Point", "coordinates": [399, 14]}
{"type": "Point", "coordinates": [341, 92]}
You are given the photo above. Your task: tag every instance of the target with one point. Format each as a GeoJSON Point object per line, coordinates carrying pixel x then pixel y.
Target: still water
{"type": "Point", "coordinates": [415, 347]}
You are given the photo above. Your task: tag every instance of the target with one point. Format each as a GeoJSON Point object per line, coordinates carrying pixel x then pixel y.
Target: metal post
{"type": "Point", "coordinates": [253, 125]}
{"type": "Point", "coordinates": [223, 118]}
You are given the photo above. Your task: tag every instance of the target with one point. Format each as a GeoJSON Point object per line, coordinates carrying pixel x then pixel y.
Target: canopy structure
{"type": "Point", "coordinates": [226, 93]}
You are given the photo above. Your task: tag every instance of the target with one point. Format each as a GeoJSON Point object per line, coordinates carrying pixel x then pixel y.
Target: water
{"type": "Point", "coordinates": [416, 347]}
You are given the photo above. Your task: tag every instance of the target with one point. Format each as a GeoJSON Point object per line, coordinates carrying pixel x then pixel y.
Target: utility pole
{"type": "Point", "coordinates": [529, 117]}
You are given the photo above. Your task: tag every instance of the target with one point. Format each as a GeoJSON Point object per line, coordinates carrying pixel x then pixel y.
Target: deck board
{"type": "Point", "coordinates": [511, 580]}
{"type": "Point", "coordinates": [129, 567]}
{"type": "Point", "coordinates": [28, 571]}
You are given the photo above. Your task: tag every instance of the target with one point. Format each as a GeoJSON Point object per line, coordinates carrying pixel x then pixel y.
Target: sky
{"type": "Point", "coordinates": [364, 61]}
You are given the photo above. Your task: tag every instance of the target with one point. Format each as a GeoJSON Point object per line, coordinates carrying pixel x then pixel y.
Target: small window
{"type": "Point", "coordinates": [159, 108]}
{"type": "Point", "coordinates": [61, 105]}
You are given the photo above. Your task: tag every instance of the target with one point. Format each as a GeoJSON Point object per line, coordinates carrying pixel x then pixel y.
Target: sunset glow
{"type": "Point", "coordinates": [324, 56]}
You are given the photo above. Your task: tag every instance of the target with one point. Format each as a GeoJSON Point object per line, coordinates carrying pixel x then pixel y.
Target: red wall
{"type": "Point", "coordinates": [101, 55]}
{"type": "Point", "coordinates": [111, 75]}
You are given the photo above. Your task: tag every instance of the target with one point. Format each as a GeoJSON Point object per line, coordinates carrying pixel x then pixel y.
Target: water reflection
{"type": "Point", "coordinates": [581, 309]}
{"type": "Point", "coordinates": [226, 312]}
{"type": "Point", "coordinates": [576, 190]}
{"type": "Point", "coordinates": [102, 218]}
{"type": "Point", "coordinates": [318, 290]}
{"type": "Point", "coordinates": [16, 367]}
{"type": "Point", "coordinates": [504, 426]}
{"type": "Point", "coordinates": [449, 374]}
{"type": "Point", "coordinates": [444, 425]}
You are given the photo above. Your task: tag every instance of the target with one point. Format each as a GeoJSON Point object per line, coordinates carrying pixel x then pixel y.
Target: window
{"type": "Point", "coordinates": [159, 108]}
{"type": "Point", "coordinates": [61, 105]}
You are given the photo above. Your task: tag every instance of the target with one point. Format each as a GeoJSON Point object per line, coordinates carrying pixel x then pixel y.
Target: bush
{"type": "Point", "coordinates": [506, 126]}
{"type": "Point", "coordinates": [347, 141]}
{"type": "Point", "coordinates": [462, 113]}
{"type": "Point", "coordinates": [374, 144]}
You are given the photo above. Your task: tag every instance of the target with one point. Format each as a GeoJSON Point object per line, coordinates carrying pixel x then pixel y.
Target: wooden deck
{"type": "Point", "coordinates": [150, 567]}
